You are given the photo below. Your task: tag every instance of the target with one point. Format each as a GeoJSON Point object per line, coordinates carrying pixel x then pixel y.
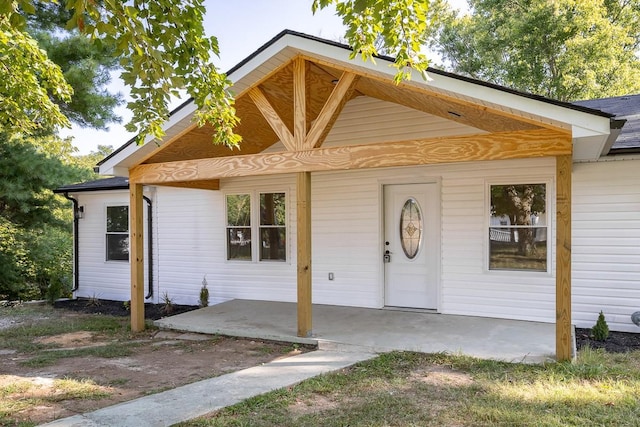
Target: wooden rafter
{"type": "Point", "coordinates": [498, 146]}
{"type": "Point", "coordinates": [331, 110]}
{"type": "Point", "coordinates": [273, 118]}
{"type": "Point", "coordinates": [212, 184]}
{"type": "Point", "coordinates": [430, 93]}
{"type": "Point", "coordinates": [299, 102]}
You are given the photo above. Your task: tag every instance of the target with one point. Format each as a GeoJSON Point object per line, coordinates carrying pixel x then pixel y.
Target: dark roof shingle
{"type": "Point", "coordinates": [113, 183]}
{"type": "Point", "coordinates": [624, 108]}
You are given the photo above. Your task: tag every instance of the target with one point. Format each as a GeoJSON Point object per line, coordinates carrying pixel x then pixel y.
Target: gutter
{"type": "Point", "coordinates": [149, 246]}
{"type": "Point", "coordinates": [76, 220]}
{"type": "Point", "coordinates": [616, 128]}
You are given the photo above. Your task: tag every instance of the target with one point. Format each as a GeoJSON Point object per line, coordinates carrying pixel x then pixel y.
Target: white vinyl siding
{"type": "Point", "coordinates": [366, 120]}
{"type": "Point", "coordinates": [192, 244]}
{"type": "Point", "coordinates": [346, 236]}
{"type": "Point", "coordinates": [346, 230]}
{"type": "Point", "coordinates": [606, 243]}
{"type": "Point", "coordinates": [97, 277]}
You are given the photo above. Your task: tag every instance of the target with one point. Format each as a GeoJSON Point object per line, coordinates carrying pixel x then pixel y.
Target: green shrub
{"type": "Point", "coordinates": [167, 304]}
{"type": "Point", "coordinates": [600, 330]}
{"type": "Point", "coordinates": [204, 293]}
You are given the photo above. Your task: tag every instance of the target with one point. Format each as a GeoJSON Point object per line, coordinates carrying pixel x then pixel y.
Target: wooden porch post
{"type": "Point", "coordinates": [136, 257]}
{"type": "Point", "coordinates": [563, 257]}
{"type": "Point", "coordinates": [304, 253]}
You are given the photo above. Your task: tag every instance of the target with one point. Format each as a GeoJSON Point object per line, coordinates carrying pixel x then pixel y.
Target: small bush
{"type": "Point", "coordinates": [204, 293]}
{"type": "Point", "coordinates": [167, 304]}
{"type": "Point", "coordinates": [94, 301]}
{"type": "Point", "coordinates": [600, 330]}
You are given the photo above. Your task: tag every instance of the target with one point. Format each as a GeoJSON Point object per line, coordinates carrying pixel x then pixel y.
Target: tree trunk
{"type": "Point", "coordinates": [524, 205]}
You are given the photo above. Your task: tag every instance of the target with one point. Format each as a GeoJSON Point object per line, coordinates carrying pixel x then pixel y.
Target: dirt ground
{"type": "Point", "coordinates": [159, 361]}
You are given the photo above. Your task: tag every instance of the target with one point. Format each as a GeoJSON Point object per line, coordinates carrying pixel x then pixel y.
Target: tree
{"type": "Point", "coordinates": [562, 49]}
{"type": "Point", "coordinates": [86, 66]}
{"type": "Point", "coordinates": [520, 203]}
{"type": "Point", "coordinates": [164, 49]}
{"type": "Point", "coordinates": [35, 238]}
{"type": "Point", "coordinates": [35, 241]}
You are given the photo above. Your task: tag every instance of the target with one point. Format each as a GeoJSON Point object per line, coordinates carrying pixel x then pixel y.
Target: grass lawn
{"type": "Point", "coordinates": [504, 256]}
{"type": "Point", "coordinates": [414, 389]}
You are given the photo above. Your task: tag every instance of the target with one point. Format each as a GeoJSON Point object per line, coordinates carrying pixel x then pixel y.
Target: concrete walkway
{"type": "Point", "coordinates": [378, 330]}
{"type": "Point", "coordinates": [196, 399]}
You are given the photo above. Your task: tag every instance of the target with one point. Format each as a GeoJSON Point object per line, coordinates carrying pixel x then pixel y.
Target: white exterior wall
{"type": "Point", "coordinates": [606, 243]}
{"type": "Point", "coordinates": [189, 227]}
{"type": "Point", "coordinates": [97, 277]}
{"type": "Point", "coordinates": [347, 226]}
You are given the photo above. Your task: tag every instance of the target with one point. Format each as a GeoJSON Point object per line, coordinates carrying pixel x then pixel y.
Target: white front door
{"type": "Point", "coordinates": [411, 245]}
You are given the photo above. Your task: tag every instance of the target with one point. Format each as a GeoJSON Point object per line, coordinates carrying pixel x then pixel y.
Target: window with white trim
{"type": "Point", "coordinates": [267, 221]}
{"type": "Point", "coordinates": [518, 227]}
{"type": "Point", "coordinates": [239, 227]}
{"type": "Point", "coordinates": [117, 233]}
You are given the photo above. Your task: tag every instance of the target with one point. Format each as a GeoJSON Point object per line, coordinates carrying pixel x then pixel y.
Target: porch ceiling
{"type": "Point", "coordinates": [278, 88]}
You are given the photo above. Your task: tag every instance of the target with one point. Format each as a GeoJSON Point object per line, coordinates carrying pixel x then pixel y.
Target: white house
{"type": "Point", "coordinates": [403, 183]}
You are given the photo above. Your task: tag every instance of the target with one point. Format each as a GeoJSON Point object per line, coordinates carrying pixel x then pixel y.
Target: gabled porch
{"type": "Point", "coordinates": [292, 95]}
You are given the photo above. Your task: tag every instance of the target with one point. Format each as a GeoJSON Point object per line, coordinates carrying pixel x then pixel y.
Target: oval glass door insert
{"type": "Point", "coordinates": [410, 228]}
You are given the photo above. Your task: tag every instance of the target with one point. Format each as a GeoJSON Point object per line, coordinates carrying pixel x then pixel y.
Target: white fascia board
{"type": "Point", "coordinates": [582, 123]}
{"type": "Point", "coordinates": [119, 164]}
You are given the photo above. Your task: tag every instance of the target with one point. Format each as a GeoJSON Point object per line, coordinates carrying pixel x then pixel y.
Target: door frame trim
{"type": "Point", "coordinates": [382, 182]}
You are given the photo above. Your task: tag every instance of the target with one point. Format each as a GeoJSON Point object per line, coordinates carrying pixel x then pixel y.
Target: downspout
{"type": "Point", "coordinates": [149, 245]}
{"type": "Point", "coordinates": [76, 220]}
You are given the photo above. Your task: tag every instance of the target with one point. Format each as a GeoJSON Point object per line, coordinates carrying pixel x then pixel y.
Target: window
{"type": "Point", "coordinates": [518, 228]}
{"type": "Point", "coordinates": [117, 233]}
{"type": "Point", "coordinates": [239, 227]}
{"type": "Point", "coordinates": [410, 228]}
{"type": "Point", "coordinates": [273, 230]}
{"type": "Point", "coordinates": [270, 226]}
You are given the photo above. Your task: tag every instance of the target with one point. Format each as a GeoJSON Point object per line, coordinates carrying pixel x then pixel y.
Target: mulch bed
{"type": "Point", "coordinates": [118, 308]}
{"type": "Point", "coordinates": [617, 342]}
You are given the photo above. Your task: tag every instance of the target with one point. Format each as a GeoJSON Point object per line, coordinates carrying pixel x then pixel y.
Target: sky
{"type": "Point", "coordinates": [241, 26]}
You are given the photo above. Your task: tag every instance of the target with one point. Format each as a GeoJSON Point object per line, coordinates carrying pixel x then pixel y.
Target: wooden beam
{"type": "Point", "coordinates": [303, 233]}
{"type": "Point", "coordinates": [564, 345]}
{"type": "Point", "coordinates": [136, 256]}
{"type": "Point", "coordinates": [272, 117]}
{"type": "Point", "coordinates": [212, 184]}
{"type": "Point", "coordinates": [498, 146]}
{"type": "Point", "coordinates": [299, 103]}
{"type": "Point", "coordinates": [387, 79]}
{"type": "Point", "coordinates": [331, 110]}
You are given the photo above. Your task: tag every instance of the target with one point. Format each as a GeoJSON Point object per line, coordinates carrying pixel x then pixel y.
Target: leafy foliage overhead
{"type": "Point", "coordinates": [402, 27]}
{"type": "Point", "coordinates": [562, 49]}
{"type": "Point", "coordinates": [164, 49]}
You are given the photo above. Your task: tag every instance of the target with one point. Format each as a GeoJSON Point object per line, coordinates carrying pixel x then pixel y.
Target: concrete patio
{"type": "Point", "coordinates": [377, 330]}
